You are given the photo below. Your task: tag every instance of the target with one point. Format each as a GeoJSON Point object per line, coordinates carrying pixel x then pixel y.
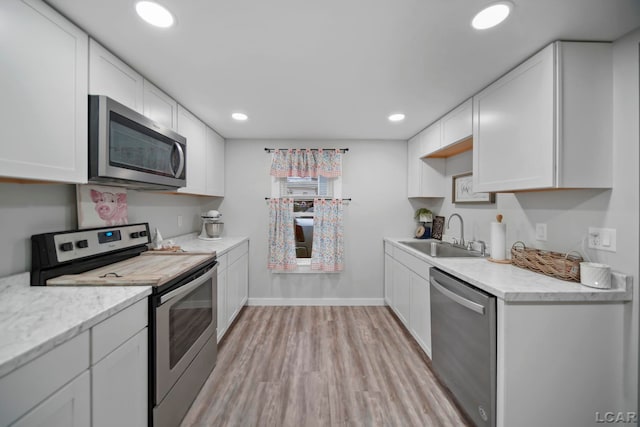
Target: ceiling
{"type": "Point", "coordinates": [335, 69]}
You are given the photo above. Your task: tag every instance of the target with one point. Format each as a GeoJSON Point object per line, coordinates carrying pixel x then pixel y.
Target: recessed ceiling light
{"type": "Point", "coordinates": [241, 117]}
{"type": "Point", "coordinates": [396, 117]}
{"type": "Point", "coordinates": [154, 14]}
{"type": "Point", "coordinates": [491, 15]}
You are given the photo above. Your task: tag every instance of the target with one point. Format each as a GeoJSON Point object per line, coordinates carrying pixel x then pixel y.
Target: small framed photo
{"type": "Point", "coordinates": [101, 206]}
{"type": "Point", "coordinates": [463, 191]}
{"type": "Point", "coordinates": [438, 227]}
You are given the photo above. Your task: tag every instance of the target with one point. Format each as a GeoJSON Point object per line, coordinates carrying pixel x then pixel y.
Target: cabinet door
{"type": "Point", "coordinates": [421, 312]}
{"type": "Point", "coordinates": [513, 129]}
{"type": "Point", "coordinates": [222, 304]}
{"type": "Point", "coordinates": [109, 76]}
{"type": "Point", "coordinates": [457, 125]}
{"type": "Point", "coordinates": [413, 167]}
{"type": "Point", "coordinates": [215, 163]}
{"type": "Point", "coordinates": [69, 406]}
{"type": "Point", "coordinates": [119, 385]}
{"type": "Point", "coordinates": [401, 291]}
{"type": "Point", "coordinates": [237, 286]}
{"type": "Point", "coordinates": [43, 82]}
{"type": "Point", "coordinates": [159, 106]}
{"type": "Point", "coordinates": [195, 131]}
{"type": "Point", "coordinates": [388, 280]}
{"type": "Point", "coordinates": [432, 139]}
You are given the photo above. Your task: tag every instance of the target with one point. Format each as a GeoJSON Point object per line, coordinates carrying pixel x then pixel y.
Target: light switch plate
{"type": "Point", "coordinates": [541, 232]}
{"type": "Point", "coordinates": [603, 239]}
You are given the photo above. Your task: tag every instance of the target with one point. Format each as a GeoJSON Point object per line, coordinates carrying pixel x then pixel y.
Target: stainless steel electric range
{"type": "Point", "coordinates": [182, 307]}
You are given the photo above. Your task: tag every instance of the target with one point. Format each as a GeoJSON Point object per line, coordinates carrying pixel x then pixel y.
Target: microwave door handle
{"type": "Point", "coordinates": [178, 172]}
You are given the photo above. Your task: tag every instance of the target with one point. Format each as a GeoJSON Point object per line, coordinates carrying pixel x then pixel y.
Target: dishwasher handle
{"type": "Point", "coordinates": [478, 308]}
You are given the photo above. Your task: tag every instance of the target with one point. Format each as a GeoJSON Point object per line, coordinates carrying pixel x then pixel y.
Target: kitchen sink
{"type": "Point", "coordinates": [443, 249]}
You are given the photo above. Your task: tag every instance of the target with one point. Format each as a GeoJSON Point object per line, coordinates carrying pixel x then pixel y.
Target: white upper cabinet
{"type": "Point", "coordinates": [425, 177]}
{"type": "Point", "coordinates": [547, 123]}
{"type": "Point", "coordinates": [195, 131]}
{"type": "Point", "coordinates": [430, 139]}
{"type": "Point", "coordinates": [215, 164]}
{"type": "Point", "coordinates": [159, 107]}
{"type": "Point", "coordinates": [43, 82]}
{"type": "Point", "coordinates": [109, 76]}
{"type": "Point", "coordinates": [458, 124]}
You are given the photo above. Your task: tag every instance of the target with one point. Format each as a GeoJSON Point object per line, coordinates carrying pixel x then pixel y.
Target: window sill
{"type": "Point", "coordinates": [304, 267]}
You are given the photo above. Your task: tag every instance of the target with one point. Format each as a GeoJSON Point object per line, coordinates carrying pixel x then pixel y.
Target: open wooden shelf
{"type": "Point", "coordinates": [453, 149]}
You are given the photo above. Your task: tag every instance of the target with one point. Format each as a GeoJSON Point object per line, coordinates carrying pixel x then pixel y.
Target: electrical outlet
{"type": "Point", "coordinates": [541, 232]}
{"type": "Point", "coordinates": [179, 221]}
{"type": "Point", "coordinates": [603, 239]}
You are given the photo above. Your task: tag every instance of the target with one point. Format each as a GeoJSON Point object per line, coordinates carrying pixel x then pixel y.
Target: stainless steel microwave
{"type": "Point", "coordinates": [128, 149]}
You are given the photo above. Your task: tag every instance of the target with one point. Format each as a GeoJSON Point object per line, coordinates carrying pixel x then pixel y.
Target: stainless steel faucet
{"type": "Point", "coordinates": [461, 227]}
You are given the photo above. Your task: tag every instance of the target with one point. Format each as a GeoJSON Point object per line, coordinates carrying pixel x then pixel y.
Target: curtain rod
{"type": "Point", "coordinates": [306, 198]}
{"type": "Point", "coordinates": [271, 150]}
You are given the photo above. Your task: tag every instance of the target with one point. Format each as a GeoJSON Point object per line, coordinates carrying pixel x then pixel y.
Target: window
{"type": "Point", "coordinates": [303, 190]}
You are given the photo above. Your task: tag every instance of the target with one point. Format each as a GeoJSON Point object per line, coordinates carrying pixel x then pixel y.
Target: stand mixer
{"type": "Point", "coordinates": [211, 226]}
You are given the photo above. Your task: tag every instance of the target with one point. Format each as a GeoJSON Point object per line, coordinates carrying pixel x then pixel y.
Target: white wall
{"type": "Point", "coordinates": [374, 176]}
{"type": "Point", "coordinates": [569, 213]}
{"type": "Point", "coordinates": [27, 209]}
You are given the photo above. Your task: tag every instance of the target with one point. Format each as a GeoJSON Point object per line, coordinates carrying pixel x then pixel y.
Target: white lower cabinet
{"type": "Point", "coordinates": [119, 385]}
{"type": "Point", "coordinates": [233, 285]}
{"type": "Point", "coordinates": [69, 406]}
{"type": "Point", "coordinates": [401, 291]}
{"type": "Point", "coordinates": [421, 311]}
{"type": "Point", "coordinates": [98, 378]}
{"type": "Point", "coordinates": [223, 320]}
{"type": "Point", "coordinates": [407, 292]}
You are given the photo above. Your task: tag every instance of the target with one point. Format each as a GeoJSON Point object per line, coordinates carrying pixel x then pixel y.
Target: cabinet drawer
{"type": "Point", "coordinates": [417, 265]}
{"type": "Point", "coordinates": [108, 335]}
{"type": "Point", "coordinates": [29, 385]}
{"type": "Point", "coordinates": [222, 262]}
{"type": "Point", "coordinates": [238, 251]}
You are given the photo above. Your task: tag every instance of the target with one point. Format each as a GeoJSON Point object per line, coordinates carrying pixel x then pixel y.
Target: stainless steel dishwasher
{"type": "Point", "coordinates": [463, 341]}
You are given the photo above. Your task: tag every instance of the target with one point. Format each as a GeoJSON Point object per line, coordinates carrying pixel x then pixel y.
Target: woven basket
{"type": "Point", "coordinates": [554, 264]}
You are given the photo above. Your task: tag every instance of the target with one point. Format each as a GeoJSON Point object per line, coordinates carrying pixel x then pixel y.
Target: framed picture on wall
{"type": "Point", "coordinates": [100, 206]}
{"type": "Point", "coordinates": [462, 191]}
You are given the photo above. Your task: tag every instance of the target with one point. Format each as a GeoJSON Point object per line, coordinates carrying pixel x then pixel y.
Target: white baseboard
{"type": "Point", "coordinates": [317, 301]}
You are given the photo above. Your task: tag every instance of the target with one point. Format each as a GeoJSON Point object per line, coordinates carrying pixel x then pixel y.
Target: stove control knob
{"type": "Point", "coordinates": [82, 244]}
{"type": "Point", "coordinates": [135, 235]}
{"type": "Point", "coordinates": [143, 233]}
{"type": "Point", "coordinates": [65, 247]}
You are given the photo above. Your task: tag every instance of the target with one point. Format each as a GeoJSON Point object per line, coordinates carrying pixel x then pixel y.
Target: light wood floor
{"type": "Point", "coordinates": [321, 366]}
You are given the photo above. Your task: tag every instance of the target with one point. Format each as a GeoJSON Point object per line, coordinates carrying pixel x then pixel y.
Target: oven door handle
{"type": "Point", "coordinates": [188, 287]}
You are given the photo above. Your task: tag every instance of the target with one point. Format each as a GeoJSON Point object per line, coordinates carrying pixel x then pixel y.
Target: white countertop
{"type": "Point", "coordinates": [515, 284]}
{"type": "Point", "coordinates": [191, 243]}
{"type": "Point", "coordinates": [35, 319]}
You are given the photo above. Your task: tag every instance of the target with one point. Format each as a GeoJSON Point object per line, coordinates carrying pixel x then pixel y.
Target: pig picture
{"type": "Point", "coordinates": [111, 207]}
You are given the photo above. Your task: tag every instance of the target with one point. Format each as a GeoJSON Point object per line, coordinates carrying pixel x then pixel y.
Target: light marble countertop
{"type": "Point", "coordinates": [191, 243]}
{"type": "Point", "coordinates": [514, 284]}
{"type": "Point", "coordinates": [35, 319]}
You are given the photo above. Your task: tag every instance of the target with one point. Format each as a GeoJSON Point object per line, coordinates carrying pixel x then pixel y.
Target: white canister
{"type": "Point", "coordinates": [595, 275]}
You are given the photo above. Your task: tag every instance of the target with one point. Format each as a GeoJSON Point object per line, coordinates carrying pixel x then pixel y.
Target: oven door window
{"type": "Point", "coordinates": [188, 319]}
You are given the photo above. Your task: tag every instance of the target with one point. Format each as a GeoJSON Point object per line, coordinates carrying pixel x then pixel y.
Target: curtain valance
{"type": "Point", "coordinates": [306, 162]}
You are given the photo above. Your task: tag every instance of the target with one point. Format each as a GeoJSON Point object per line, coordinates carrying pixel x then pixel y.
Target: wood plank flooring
{"type": "Point", "coordinates": [321, 366]}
